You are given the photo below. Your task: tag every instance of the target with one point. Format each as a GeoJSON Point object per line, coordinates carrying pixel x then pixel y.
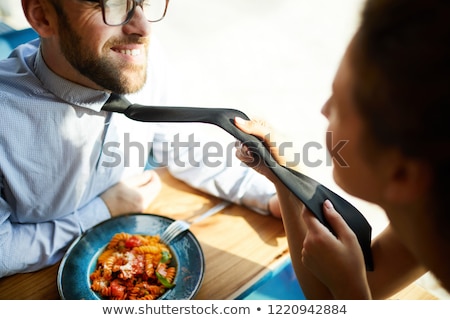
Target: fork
{"type": "Point", "coordinates": [179, 226]}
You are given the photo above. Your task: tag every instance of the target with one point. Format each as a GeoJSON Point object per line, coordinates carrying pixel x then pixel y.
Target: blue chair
{"type": "Point", "coordinates": [11, 38]}
{"type": "Point", "coordinates": [278, 284]}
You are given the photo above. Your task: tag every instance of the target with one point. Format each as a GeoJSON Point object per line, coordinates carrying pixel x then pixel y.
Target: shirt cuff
{"type": "Point", "coordinates": [257, 194]}
{"type": "Point", "coordinates": [92, 214]}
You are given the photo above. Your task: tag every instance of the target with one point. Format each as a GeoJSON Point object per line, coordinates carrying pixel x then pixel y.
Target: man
{"type": "Point", "coordinates": [65, 165]}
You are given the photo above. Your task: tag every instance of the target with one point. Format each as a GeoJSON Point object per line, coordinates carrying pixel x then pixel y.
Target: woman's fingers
{"type": "Point", "coordinates": [265, 133]}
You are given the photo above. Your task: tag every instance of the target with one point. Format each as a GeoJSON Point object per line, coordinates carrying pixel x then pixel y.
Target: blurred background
{"type": "Point", "coordinates": [273, 59]}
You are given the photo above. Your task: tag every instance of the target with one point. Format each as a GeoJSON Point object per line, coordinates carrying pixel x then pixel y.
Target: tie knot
{"type": "Point", "coordinates": [116, 103]}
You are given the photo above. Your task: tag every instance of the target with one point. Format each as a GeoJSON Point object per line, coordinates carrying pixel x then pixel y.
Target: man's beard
{"type": "Point", "coordinates": [120, 78]}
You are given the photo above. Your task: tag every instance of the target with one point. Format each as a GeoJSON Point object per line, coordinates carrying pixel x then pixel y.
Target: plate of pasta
{"type": "Point", "coordinates": [123, 259]}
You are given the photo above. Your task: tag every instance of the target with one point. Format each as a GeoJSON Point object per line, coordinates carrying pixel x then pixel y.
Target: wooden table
{"type": "Point", "coordinates": [239, 247]}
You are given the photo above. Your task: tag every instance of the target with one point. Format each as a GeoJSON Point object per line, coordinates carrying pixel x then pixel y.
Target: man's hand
{"type": "Point", "coordinates": [274, 207]}
{"type": "Point", "coordinates": [133, 194]}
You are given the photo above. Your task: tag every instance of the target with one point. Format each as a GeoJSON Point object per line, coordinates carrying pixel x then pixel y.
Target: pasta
{"type": "Point", "coordinates": [133, 267]}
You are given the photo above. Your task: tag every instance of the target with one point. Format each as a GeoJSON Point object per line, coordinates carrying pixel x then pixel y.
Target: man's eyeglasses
{"type": "Point", "coordinates": [120, 12]}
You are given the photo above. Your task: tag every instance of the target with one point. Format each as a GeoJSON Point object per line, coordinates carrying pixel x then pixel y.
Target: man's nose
{"type": "Point", "coordinates": [138, 23]}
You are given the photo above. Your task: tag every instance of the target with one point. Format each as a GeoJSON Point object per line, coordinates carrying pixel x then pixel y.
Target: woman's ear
{"type": "Point", "coordinates": [409, 180]}
{"type": "Point", "coordinates": [38, 14]}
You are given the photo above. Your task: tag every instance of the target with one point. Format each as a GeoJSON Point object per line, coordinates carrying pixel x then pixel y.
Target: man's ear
{"type": "Point", "coordinates": [410, 180]}
{"type": "Point", "coordinates": [38, 14]}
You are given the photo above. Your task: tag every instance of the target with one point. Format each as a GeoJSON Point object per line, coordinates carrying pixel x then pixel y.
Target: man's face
{"type": "Point", "coordinates": [114, 58]}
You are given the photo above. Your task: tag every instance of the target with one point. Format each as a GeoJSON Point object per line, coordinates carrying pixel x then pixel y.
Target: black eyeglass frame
{"type": "Point", "coordinates": [130, 13]}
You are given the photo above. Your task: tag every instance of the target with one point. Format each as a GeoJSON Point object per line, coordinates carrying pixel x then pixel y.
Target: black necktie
{"type": "Point", "coordinates": [307, 190]}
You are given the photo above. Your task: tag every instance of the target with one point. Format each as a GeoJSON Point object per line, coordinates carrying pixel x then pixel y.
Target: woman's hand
{"type": "Point", "coordinates": [336, 260]}
{"type": "Point", "coordinates": [267, 135]}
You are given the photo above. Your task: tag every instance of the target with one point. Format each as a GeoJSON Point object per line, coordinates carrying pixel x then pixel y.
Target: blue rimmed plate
{"type": "Point", "coordinates": [81, 257]}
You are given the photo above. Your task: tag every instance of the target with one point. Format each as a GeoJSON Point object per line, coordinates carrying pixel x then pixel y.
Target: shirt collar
{"type": "Point", "coordinates": [68, 91]}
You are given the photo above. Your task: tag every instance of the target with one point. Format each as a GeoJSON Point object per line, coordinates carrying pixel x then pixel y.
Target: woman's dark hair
{"type": "Point", "coordinates": [401, 58]}
{"type": "Point", "coordinates": [402, 65]}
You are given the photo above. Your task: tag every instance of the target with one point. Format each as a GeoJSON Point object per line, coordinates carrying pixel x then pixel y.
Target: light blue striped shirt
{"type": "Point", "coordinates": [59, 152]}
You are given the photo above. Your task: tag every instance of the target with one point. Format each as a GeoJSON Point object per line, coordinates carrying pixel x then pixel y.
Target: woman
{"type": "Point", "coordinates": [391, 101]}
